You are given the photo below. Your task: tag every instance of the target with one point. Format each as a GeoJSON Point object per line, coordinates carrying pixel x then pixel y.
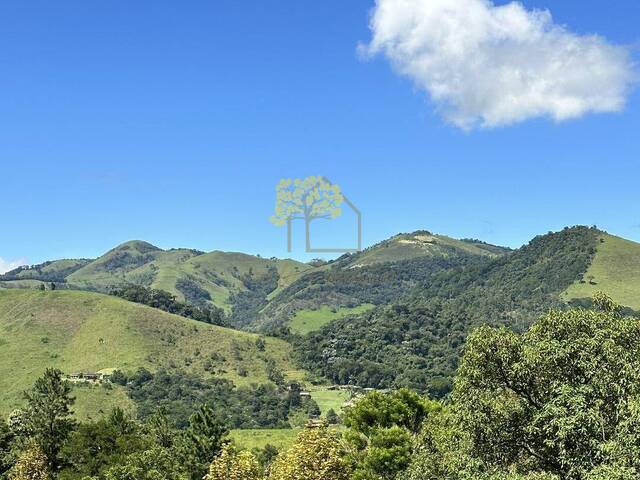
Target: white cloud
{"type": "Point", "coordinates": [487, 66]}
{"type": "Point", "coordinates": [8, 265]}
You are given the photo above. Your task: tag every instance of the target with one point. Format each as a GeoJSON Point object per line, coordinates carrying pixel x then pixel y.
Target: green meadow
{"type": "Point", "coordinates": [305, 321]}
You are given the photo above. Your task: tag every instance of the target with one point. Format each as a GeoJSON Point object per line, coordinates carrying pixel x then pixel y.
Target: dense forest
{"type": "Point", "coordinates": [416, 342]}
{"type": "Point", "coordinates": [339, 286]}
{"type": "Point", "coordinates": [178, 393]}
{"type": "Point", "coordinates": [558, 401]}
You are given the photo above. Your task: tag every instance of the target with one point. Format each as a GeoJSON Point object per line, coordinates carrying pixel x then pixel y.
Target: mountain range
{"type": "Point", "coordinates": [396, 313]}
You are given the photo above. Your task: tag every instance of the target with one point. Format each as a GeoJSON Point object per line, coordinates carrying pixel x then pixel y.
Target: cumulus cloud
{"type": "Point", "coordinates": [486, 65]}
{"type": "Point", "coordinates": [8, 265]}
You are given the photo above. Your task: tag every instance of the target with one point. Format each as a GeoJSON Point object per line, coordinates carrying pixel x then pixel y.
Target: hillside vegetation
{"type": "Point", "coordinates": [406, 246]}
{"type": "Point", "coordinates": [615, 270]}
{"type": "Point", "coordinates": [223, 279]}
{"type": "Point", "coordinates": [87, 332]}
{"type": "Point", "coordinates": [417, 341]}
{"type": "Point", "coordinates": [379, 275]}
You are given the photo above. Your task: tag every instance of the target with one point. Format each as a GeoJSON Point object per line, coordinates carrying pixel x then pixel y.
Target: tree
{"type": "Point", "coordinates": [32, 464]}
{"type": "Point", "coordinates": [266, 455]}
{"type": "Point", "coordinates": [202, 441]}
{"type": "Point", "coordinates": [232, 464]}
{"type": "Point", "coordinates": [561, 401]}
{"type": "Point", "coordinates": [6, 447]}
{"type": "Point", "coordinates": [315, 455]}
{"type": "Point", "coordinates": [121, 421]}
{"type": "Point", "coordinates": [48, 416]}
{"type": "Point", "coordinates": [332, 417]}
{"type": "Point", "coordinates": [380, 432]}
{"type": "Point", "coordinates": [274, 373]}
{"type": "Point", "coordinates": [306, 199]}
{"type": "Point", "coordinates": [161, 428]}
{"type": "Point", "coordinates": [95, 446]}
{"type": "Point", "coordinates": [403, 408]}
{"type": "Point", "coordinates": [153, 464]}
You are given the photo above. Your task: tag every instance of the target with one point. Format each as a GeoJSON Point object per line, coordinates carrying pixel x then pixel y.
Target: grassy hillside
{"type": "Point", "coordinates": [82, 331]}
{"type": "Point", "coordinates": [615, 270]}
{"type": "Point", "coordinates": [224, 279]}
{"type": "Point", "coordinates": [407, 246]}
{"type": "Point", "coordinates": [305, 321]}
{"type": "Point", "coordinates": [54, 271]}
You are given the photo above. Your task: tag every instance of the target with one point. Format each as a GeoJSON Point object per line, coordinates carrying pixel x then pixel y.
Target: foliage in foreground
{"type": "Point", "coordinates": [317, 454]}
{"type": "Point", "coordinates": [561, 401]}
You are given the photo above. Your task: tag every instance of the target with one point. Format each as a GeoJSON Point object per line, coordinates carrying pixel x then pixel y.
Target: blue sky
{"type": "Point", "coordinates": [172, 122]}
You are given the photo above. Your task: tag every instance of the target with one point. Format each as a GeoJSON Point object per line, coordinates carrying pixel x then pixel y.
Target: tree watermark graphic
{"type": "Point", "coordinates": [310, 199]}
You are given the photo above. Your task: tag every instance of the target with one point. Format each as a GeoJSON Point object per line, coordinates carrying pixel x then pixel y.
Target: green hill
{"type": "Point", "coordinates": [615, 270]}
{"type": "Point", "coordinates": [224, 279]}
{"type": "Point", "coordinates": [416, 340]}
{"type": "Point", "coordinates": [87, 332]}
{"type": "Point", "coordinates": [407, 246]}
{"type": "Point", "coordinates": [379, 275]}
{"type": "Point", "coordinates": [54, 271]}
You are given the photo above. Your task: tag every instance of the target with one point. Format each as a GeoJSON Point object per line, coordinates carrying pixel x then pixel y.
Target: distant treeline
{"type": "Point", "coordinates": [179, 393]}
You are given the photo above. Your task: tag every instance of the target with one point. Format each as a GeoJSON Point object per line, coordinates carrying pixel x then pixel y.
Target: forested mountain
{"type": "Point", "coordinates": [416, 341]}
{"type": "Point", "coordinates": [254, 291]}
{"type": "Point", "coordinates": [378, 275]}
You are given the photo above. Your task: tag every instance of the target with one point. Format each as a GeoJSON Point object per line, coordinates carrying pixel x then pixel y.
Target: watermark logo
{"type": "Point", "coordinates": [310, 199]}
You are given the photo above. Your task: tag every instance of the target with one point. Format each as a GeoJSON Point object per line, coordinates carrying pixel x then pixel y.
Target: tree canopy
{"type": "Point", "coordinates": [561, 401]}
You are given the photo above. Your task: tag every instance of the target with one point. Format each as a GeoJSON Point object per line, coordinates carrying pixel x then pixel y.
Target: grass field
{"type": "Point", "coordinates": [250, 439]}
{"type": "Point", "coordinates": [82, 331]}
{"type": "Point", "coordinates": [306, 321]}
{"type": "Point", "coordinates": [329, 399]}
{"type": "Point", "coordinates": [94, 401]}
{"type": "Point", "coordinates": [615, 270]}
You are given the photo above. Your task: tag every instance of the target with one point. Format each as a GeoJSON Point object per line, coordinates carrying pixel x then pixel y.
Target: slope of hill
{"type": "Point", "coordinates": [615, 270]}
{"type": "Point", "coordinates": [85, 332]}
{"type": "Point", "coordinates": [407, 246]}
{"type": "Point", "coordinates": [223, 279]}
{"type": "Point", "coordinates": [54, 271]}
{"type": "Point", "coordinates": [378, 275]}
{"type": "Point", "coordinates": [416, 341]}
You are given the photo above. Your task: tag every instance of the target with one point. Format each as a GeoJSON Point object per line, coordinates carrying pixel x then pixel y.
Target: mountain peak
{"type": "Point", "coordinates": [138, 245]}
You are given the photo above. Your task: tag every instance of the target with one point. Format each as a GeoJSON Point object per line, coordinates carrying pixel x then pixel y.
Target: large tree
{"type": "Point", "coordinates": [47, 419]}
{"type": "Point", "coordinates": [316, 455]}
{"type": "Point", "coordinates": [560, 401]}
{"type": "Point", "coordinates": [201, 442]}
{"type": "Point", "coordinates": [380, 432]}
